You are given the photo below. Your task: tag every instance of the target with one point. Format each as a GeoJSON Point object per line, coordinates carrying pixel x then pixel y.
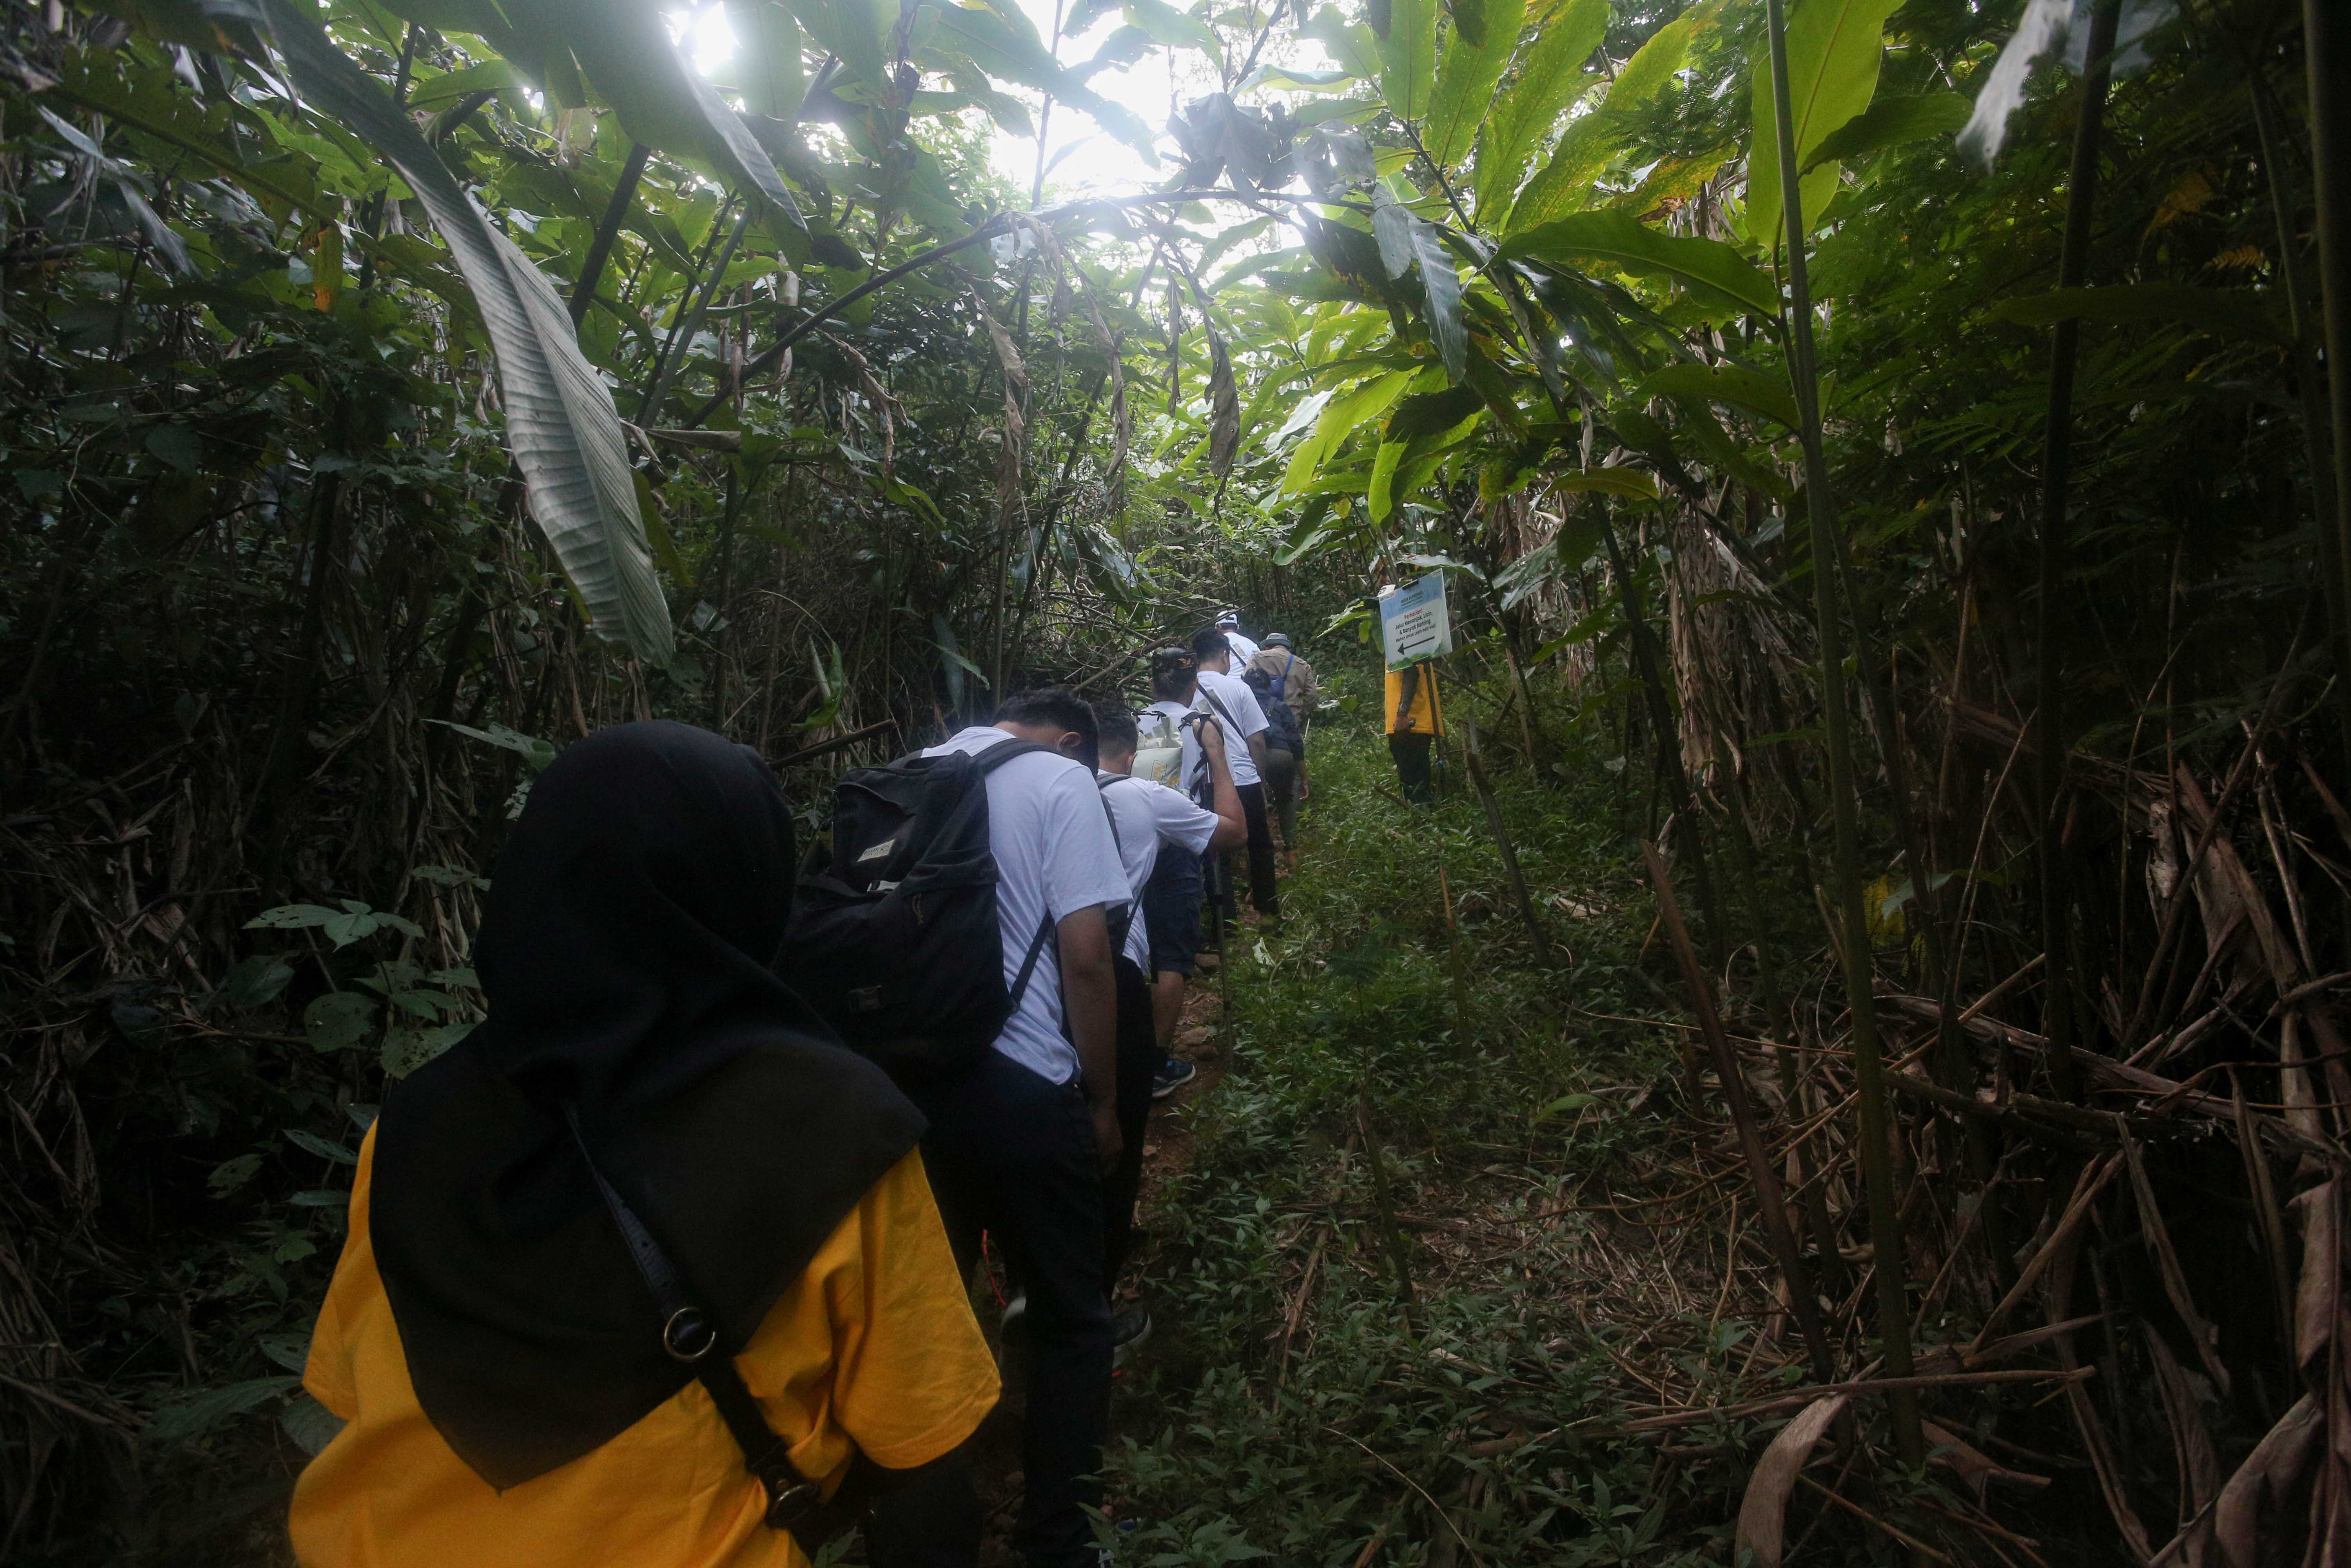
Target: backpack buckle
{"type": "Point", "coordinates": [688, 1336]}
{"type": "Point", "coordinates": [790, 1499]}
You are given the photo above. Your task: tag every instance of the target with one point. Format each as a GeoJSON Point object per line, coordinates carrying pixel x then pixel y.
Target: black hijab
{"type": "Point", "coordinates": [624, 952]}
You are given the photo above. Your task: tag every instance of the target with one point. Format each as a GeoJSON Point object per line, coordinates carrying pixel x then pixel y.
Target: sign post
{"type": "Point", "coordinates": [1414, 623]}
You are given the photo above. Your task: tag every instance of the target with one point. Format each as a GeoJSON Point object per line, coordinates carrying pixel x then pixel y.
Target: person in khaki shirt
{"type": "Point", "coordinates": [1294, 678]}
{"type": "Point", "coordinates": [1279, 674]}
{"type": "Point", "coordinates": [519, 1383]}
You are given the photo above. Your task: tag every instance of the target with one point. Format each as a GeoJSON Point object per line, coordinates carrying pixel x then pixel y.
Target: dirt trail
{"type": "Point", "coordinates": [1167, 1146]}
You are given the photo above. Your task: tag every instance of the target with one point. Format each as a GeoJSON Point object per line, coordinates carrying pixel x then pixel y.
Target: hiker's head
{"type": "Point", "coordinates": [1174, 676]}
{"type": "Point", "coordinates": [1278, 639]}
{"type": "Point", "coordinates": [1053, 715]}
{"type": "Point", "coordinates": [1211, 652]}
{"type": "Point", "coordinates": [654, 826]}
{"type": "Point", "coordinates": [1116, 725]}
{"type": "Point", "coordinates": [1228, 620]}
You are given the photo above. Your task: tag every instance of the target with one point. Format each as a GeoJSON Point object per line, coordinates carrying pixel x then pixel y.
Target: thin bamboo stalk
{"type": "Point", "coordinates": [1509, 851]}
{"type": "Point", "coordinates": [1836, 722]}
{"type": "Point", "coordinates": [600, 250]}
{"type": "Point", "coordinates": [1666, 736]}
{"type": "Point", "coordinates": [2326, 54]}
{"type": "Point", "coordinates": [1776, 1224]}
{"type": "Point", "coordinates": [2058, 1007]}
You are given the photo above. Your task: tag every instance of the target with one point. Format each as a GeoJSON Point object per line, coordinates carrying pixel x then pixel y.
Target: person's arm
{"type": "Point", "coordinates": [1089, 992]}
{"type": "Point", "coordinates": [1232, 827]}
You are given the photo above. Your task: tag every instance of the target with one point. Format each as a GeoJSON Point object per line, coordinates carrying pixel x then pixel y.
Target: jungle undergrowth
{"type": "Point", "coordinates": [1293, 1408]}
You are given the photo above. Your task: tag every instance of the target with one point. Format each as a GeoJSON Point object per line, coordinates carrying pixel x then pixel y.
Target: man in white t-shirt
{"type": "Point", "coordinates": [1153, 822]}
{"type": "Point", "coordinates": [1244, 649]}
{"type": "Point", "coordinates": [1018, 1143]}
{"type": "Point", "coordinates": [1235, 707]}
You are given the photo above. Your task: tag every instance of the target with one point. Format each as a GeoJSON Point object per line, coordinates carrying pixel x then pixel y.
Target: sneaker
{"type": "Point", "coordinates": [1177, 1073]}
{"type": "Point", "coordinates": [1129, 1330]}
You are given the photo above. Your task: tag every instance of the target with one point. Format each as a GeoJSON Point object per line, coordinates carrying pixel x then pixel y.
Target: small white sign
{"type": "Point", "coordinates": [1414, 623]}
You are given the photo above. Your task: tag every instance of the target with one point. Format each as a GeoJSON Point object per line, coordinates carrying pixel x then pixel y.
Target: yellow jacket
{"type": "Point", "coordinates": [1412, 706]}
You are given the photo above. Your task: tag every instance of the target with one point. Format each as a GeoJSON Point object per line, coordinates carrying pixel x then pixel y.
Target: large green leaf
{"type": "Point", "coordinates": [1163, 24]}
{"type": "Point", "coordinates": [1465, 81]}
{"type": "Point", "coordinates": [2226, 312]}
{"type": "Point", "coordinates": [1349, 43]}
{"type": "Point", "coordinates": [1339, 420]}
{"type": "Point", "coordinates": [625, 48]}
{"type": "Point", "coordinates": [1549, 78]}
{"type": "Point", "coordinates": [769, 69]}
{"type": "Point", "coordinates": [1564, 184]}
{"type": "Point", "coordinates": [560, 423]}
{"type": "Point", "coordinates": [1614, 234]}
{"type": "Point", "coordinates": [1834, 50]}
{"type": "Point", "coordinates": [1016, 55]}
{"type": "Point", "coordinates": [1735, 384]}
{"type": "Point", "coordinates": [1629, 482]}
{"type": "Point", "coordinates": [1890, 121]}
{"type": "Point", "coordinates": [436, 92]}
{"type": "Point", "coordinates": [1442, 285]}
{"type": "Point", "coordinates": [1408, 58]}
{"type": "Point", "coordinates": [850, 31]}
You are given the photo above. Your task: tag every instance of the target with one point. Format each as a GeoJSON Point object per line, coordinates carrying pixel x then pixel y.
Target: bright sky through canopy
{"type": "Point", "coordinates": [1082, 156]}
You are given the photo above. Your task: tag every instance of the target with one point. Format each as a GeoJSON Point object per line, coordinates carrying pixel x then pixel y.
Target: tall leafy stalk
{"type": "Point", "coordinates": [2056, 473]}
{"type": "Point", "coordinates": [1836, 722]}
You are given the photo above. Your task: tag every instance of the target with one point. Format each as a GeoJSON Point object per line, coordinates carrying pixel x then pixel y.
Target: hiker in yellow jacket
{"type": "Point", "coordinates": [1415, 718]}
{"type": "Point", "coordinates": [647, 1263]}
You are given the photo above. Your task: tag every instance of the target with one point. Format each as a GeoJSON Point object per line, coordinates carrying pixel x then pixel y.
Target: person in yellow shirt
{"type": "Point", "coordinates": [645, 1271]}
{"type": "Point", "coordinates": [1415, 720]}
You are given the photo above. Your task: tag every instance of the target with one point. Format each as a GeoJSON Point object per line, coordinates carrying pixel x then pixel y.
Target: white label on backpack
{"type": "Point", "coordinates": [880, 852]}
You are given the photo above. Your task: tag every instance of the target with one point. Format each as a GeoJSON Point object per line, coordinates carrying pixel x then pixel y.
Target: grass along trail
{"type": "Point", "coordinates": [1504, 1342]}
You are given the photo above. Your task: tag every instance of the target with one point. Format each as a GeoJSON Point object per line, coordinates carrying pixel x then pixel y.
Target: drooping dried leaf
{"type": "Point", "coordinates": [2319, 1294]}
{"type": "Point", "coordinates": [2062, 1254]}
{"type": "Point", "coordinates": [1175, 349]}
{"type": "Point", "coordinates": [1763, 1512]}
{"type": "Point", "coordinates": [2166, 1262]}
{"type": "Point", "coordinates": [1223, 407]}
{"type": "Point", "coordinates": [2271, 1469]}
{"type": "Point", "coordinates": [1010, 455]}
{"type": "Point", "coordinates": [2191, 1441]}
{"type": "Point", "coordinates": [1970, 1464]}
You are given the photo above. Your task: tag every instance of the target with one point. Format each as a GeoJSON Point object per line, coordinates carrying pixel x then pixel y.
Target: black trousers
{"type": "Point", "coordinates": [1411, 754]}
{"type": "Point", "coordinates": [1263, 892]}
{"type": "Point", "coordinates": [1014, 1155]}
{"type": "Point", "coordinates": [1139, 1060]}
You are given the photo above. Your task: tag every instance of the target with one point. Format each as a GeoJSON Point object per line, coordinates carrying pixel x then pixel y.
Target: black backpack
{"type": "Point", "coordinates": [896, 943]}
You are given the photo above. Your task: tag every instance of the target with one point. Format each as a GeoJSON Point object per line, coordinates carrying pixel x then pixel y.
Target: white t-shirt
{"type": "Point", "coordinates": [1241, 704]}
{"type": "Point", "coordinates": [1244, 650]}
{"type": "Point", "coordinates": [1053, 853]}
{"type": "Point", "coordinates": [1148, 816]}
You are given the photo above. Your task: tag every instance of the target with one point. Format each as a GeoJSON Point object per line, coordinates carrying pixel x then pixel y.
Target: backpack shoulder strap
{"type": "Point", "coordinates": [1004, 751]}
{"type": "Point", "coordinates": [1222, 711]}
{"type": "Point", "coordinates": [988, 761]}
{"type": "Point", "coordinates": [795, 1503]}
{"type": "Point", "coordinates": [1102, 789]}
